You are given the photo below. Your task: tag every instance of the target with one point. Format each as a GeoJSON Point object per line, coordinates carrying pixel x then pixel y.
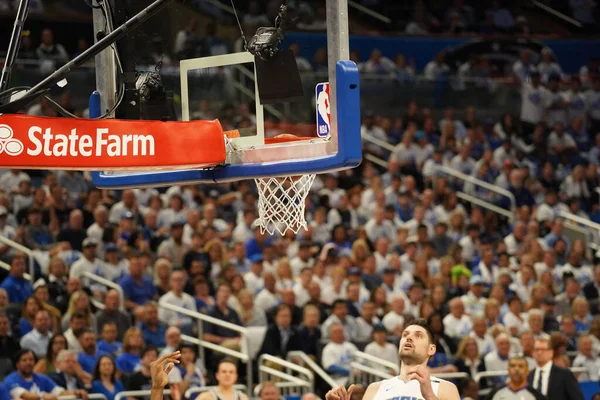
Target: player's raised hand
{"type": "Point", "coordinates": [421, 374]}
{"type": "Point", "coordinates": [159, 369]}
{"type": "Point", "coordinates": [340, 393]}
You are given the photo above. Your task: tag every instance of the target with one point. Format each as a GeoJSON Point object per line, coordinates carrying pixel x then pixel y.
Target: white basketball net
{"type": "Point", "coordinates": [281, 203]}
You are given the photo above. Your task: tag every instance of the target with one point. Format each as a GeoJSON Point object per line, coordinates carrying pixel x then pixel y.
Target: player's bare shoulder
{"type": "Point", "coordinates": [371, 391]}
{"type": "Point", "coordinates": [447, 390]}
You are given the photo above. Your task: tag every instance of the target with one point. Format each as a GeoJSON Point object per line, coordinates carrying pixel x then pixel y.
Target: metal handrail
{"type": "Point", "coordinates": [376, 360]}
{"type": "Point", "coordinates": [370, 138]}
{"type": "Point", "coordinates": [487, 374]}
{"type": "Point", "coordinates": [482, 203]}
{"type": "Point", "coordinates": [280, 385]}
{"type": "Point", "coordinates": [452, 375]}
{"type": "Point", "coordinates": [286, 364]}
{"type": "Point", "coordinates": [203, 389]}
{"type": "Point", "coordinates": [242, 355]}
{"type": "Point", "coordinates": [110, 284]}
{"type": "Point", "coordinates": [479, 182]}
{"type": "Point", "coordinates": [296, 376]}
{"type": "Point", "coordinates": [221, 6]}
{"type": "Point", "coordinates": [91, 396]}
{"type": "Point", "coordinates": [369, 12]}
{"type": "Point", "coordinates": [313, 366]}
{"type": "Point", "coordinates": [137, 393]}
{"type": "Point", "coordinates": [579, 220]}
{"type": "Point", "coordinates": [282, 375]}
{"type": "Point", "coordinates": [22, 249]}
{"type": "Point", "coordinates": [372, 371]}
{"type": "Point", "coordinates": [6, 266]}
{"type": "Point", "coordinates": [215, 347]}
{"type": "Point", "coordinates": [376, 160]}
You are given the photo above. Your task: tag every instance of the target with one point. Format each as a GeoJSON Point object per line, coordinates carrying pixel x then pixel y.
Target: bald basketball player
{"type": "Point", "coordinates": [414, 382]}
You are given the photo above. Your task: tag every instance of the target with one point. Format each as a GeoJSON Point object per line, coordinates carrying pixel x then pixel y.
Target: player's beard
{"type": "Point", "coordinates": [411, 357]}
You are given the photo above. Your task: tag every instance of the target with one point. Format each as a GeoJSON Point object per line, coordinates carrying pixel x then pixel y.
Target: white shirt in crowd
{"type": "Point", "coordinates": [592, 366]}
{"type": "Point", "coordinates": [545, 371]}
{"type": "Point", "coordinates": [266, 300]}
{"type": "Point", "coordinates": [457, 327]}
{"type": "Point", "coordinates": [387, 352]}
{"type": "Point", "coordinates": [337, 354]}
{"type": "Point", "coordinates": [392, 320]}
{"type": "Point", "coordinates": [533, 101]}
{"type": "Point", "coordinates": [173, 318]}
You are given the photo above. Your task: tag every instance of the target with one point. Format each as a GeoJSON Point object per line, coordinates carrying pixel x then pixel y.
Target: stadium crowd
{"type": "Point", "coordinates": [383, 246]}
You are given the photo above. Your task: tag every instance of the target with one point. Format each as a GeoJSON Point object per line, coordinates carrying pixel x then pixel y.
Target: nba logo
{"type": "Point", "coordinates": [323, 110]}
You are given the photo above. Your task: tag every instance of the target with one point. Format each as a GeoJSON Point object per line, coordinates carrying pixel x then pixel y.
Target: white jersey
{"type": "Point", "coordinates": [396, 389]}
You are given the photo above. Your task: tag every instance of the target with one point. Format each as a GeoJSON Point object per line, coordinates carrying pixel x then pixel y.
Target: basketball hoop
{"type": "Point", "coordinates": [282, 203]}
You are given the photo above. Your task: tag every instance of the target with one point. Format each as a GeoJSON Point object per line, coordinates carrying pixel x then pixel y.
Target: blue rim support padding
{"type": "Point", "coordinates": [95, 108]}
{"type": "Point", "coordinates": [349, 154]}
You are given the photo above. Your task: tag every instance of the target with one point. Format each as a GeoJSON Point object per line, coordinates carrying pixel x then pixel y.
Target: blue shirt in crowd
{"type": "Point", "coordinates": [38, 383]}
{"type": "Point", "coordinates": [153, 338]}
{"type": "Point", "coordinates": [18, 289]}
{"type": "Point", "coordinates": [111, 348]}
{"type": "Point", "coordinates": [88, 362]}
{"type": "Point", "coordinates": [128, 363]}
{"type": "Point", "coordinates": [98, 387]}
{"type": "Point", "coordinates": [138, 293]}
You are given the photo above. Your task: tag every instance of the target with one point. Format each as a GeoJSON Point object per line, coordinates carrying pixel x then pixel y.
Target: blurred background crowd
{"type": "Point", "coordinates": [467, 211]}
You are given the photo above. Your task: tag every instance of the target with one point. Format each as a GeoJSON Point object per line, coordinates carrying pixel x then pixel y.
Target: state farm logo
{"type": "Point", "coordinates": [45, 142]}
{"type": "Point", "coordinates": [8, 144]}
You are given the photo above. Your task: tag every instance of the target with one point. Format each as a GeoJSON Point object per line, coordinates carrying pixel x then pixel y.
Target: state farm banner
{"type": "Point", "coordinates": [107, 144]}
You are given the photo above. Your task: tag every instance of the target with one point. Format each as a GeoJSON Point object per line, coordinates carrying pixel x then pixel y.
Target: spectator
{"type": "Point", "coordinates": [548, 378]}
{"type": "Point", "coordinates": [66, 375]}
{"type": "Point", "coordinates": [17, 287]}
{"type": "Point", "coordinates": [9, 346]}
{"type": "Point", "coordinates": [517, 385]}
{"type": "Point", "coordinates": [74, 232]}
{"type": "Point", "coordinates": [88, 263]}
{"type": "Point", "coordinates": [109, 344]}
{"type": "Point", "coordinates": [309, 333]}
{"type": "Point", "coordinates": [129, 360]}
{"type": "Point", "coordinates": [153, 331]}
{"type": "Point", "coordinates": [174, 249]}
{"type": "Point", "coordinates": [251, 314]}
{"type": "Point", "coordinates": [141, 380]}
{"type": "Point", "coordinates": [457, 324]}
{"type": "Point", "coordinates": [280, 337]}
{"type": "Point", "coordinates": [393, 321]}
{"type": "Point", "coordinates": [216, 334]}
{"type": "Point", "coordinates": [37, 340]}
{"type": "Point", "coordinates": [227, 377]}
{"type": "Point", "coordinates": [468, 358]}
{"type": "Point", "coordinates": [502, 17]}
{"type": "Point", "coordinates": [380, 348]}
{"type": "Point", "coordinates": [128, 204]}
{"type": "Point", "coordinates": [26, 384]}
{"type": "Point", "coordinates": [587, 359]}
{"type": "Point", "coordinates": [378, 64]}
{"type": "Point", "coordinates": [498, 360]}
{"type": "Point", "coordinates": [339, 315]}
{"type": "Point", "coordinates": [187, 374]}
{"type": "Point", "coordinates": [105, 380]}
{"type": "Point", "coordinates": [90, 355]}
{"type": "Point", "coordinates": [437, 69]}
{"type": "Point", "coordinates": [485, 342]}
{"type": "Point", "coordinates": [80, 303]}
{"type": "Point", "coordinates": [112, 314]}
{"type": "Point", "coordinates": [138, 287]}
{"type": "Point", "coordinates": [337, 354]}
{"type": "Point", "coordinates": [172, 340]}
{"type": "Point", "coordinates": [178, 298]}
